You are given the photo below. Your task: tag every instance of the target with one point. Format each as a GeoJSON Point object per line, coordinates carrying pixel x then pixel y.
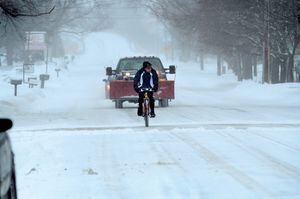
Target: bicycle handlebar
{"type": "Point", "coordinates": [146, 89]}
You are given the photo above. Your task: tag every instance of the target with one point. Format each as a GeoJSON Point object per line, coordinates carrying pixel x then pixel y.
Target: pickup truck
{"type": "Point", "coordinates": [119, 82]}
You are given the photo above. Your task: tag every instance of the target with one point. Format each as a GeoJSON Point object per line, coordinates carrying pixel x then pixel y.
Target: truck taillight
{"type": "Point", "coordinates": [108, 87]}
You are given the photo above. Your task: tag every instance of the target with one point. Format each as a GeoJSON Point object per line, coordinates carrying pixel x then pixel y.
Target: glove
{"type": "Point", "coordinates": [155, 88]}
{"type": "Point", "coordinates": [136, 89]}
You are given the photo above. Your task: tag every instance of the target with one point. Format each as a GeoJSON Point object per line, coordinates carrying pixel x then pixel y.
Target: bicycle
{"type": "Point", "coordinates": [146, 106]}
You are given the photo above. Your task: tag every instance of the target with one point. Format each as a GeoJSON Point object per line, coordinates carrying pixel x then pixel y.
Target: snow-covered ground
{"type": "Point", "coordinates": [159, 163]}
{"type": "Point", "coordinates": [218, 139]}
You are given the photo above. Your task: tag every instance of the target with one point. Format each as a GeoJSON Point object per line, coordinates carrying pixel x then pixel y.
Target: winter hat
{"type": "Point", "coordinates": [146, 64]}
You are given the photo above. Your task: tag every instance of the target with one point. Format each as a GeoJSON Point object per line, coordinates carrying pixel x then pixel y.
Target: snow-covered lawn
{"type": "Point", "coordinates": [219, 139]}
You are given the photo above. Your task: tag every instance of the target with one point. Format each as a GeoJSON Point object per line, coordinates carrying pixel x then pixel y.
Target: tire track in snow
{"type": "Point", "coordinates": [173, 165]}
{"type": "Point", "coordinates": [163, 163]}
{"type": "Point", "coordinates": [165, 150]}
{"type": "Point", "coordinates": [179, 165]}
{"type": "Point", "coordinates": [274, 141]}
{"type": "Point", "coordinates": [213, 159]}
{"type": "Point", "coordinates": [276, 164]}
{"type": "Point", "coordinates": [110, 181]}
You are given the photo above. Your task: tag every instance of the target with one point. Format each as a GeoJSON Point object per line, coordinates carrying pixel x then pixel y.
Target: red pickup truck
{"type": "Point", "coordinates": [119, 82]}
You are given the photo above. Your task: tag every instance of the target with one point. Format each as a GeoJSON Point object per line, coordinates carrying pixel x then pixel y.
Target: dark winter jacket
{"type": "Point", "coordinates": [145, 80]}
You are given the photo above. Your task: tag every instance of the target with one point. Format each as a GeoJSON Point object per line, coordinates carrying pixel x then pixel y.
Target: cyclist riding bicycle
{"type": "Point", "coordinates": [146, 79]}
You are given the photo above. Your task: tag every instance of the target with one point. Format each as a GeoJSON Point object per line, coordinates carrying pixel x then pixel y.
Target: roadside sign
{"type": "Point", "coordinates": [28, 68]}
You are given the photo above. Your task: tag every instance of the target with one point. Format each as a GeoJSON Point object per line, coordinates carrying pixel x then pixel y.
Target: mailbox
{"type": "Point", "coordinates": [57, 70]}
{"type": "Point", "coordinates": [16, 82]}
{"type": "Point", "coordinates": [43, 78]}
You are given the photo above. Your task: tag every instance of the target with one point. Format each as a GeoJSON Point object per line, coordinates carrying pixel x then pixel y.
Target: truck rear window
{"type": "Point", "coordinates": [136, 64]}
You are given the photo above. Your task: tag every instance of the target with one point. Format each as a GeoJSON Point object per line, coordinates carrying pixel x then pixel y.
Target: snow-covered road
{"type": "Point", "coordinates": [159, 163]}
{"type": "Point", "coordinates": [218, 139]}
{"type": "Point", "coordinates": [76, 99]}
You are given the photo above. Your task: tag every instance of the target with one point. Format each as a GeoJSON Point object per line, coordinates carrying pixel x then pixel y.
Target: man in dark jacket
{"type": "Point", "coordinates": [146, 78]}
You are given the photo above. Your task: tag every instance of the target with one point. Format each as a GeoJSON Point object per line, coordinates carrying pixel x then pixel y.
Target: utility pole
{"type": "Point", "coordinates": [28, 46]}
{"type": "Point", "coordinates": [202, 60]}
{"type": "Point", "coordinates": [298, 15]}
{"type": "Point", "coordinates": [46, 37]}
{"type": "Point", "coordinates": [219, 65]}
{"type": "Point", "coordinates": [266, 43]}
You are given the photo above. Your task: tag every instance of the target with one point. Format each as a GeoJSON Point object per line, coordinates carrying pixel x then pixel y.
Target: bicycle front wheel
{"type": "Point", "coordinates": [146, 118]}
{"type": "Point", "coordinates": [146, 112]}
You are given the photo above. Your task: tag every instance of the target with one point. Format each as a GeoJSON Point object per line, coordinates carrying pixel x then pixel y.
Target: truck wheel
{"type": "Point", "coordinates": [164, 103]}
{"type": "Point", "coordinates": [118, 104]}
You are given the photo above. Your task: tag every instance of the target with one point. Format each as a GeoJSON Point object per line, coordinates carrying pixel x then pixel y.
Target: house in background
{"type": "Point", "coordinates": [36, 46]}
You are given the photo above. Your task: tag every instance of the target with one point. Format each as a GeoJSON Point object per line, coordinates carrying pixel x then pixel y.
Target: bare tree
{"type": "Point", "coordinates": [74, 17]}
{"type": "Point", "coordinates": [51, 16]}
{"type": "Point", "coordinates": [10, 11]}
{"type": "Point", "coordinates": [26, 8]}
{"type": "Point", "coordinates": [12, 15]}
{"type": "Point", "coordinates": [238, 31]}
